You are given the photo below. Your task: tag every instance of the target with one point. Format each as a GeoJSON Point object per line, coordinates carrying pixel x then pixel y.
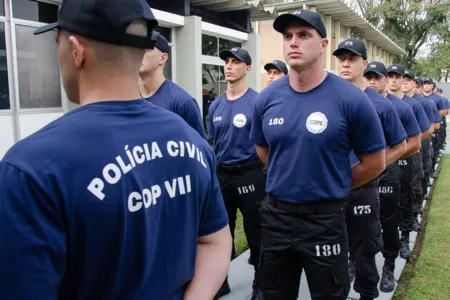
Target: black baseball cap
{"type": "Point", "coordinates": [311, 18]}
{"type": "Point", "coordinates": [376, 67]}
{"type": "Point", "coordinates": [239, 53]}
{"type": "Point", "coordinates": [160, 42]}
{"type": "Point", "coordinates": [429, 80]}
{"type": "Point", "coordinates": [105, 21]}
{"type": "Point", "coordinates": [418, 80]}
{"type": "Point", "coordinates": [396, 68]}
{"type": "Point", "coordinates": [353, 45]}
{"type": "Point", "coordinates": [277, 64]}
{"type": "Point", "coordinates": [409, 74]}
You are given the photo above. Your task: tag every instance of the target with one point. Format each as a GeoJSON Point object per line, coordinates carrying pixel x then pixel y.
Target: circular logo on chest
{"type": "Point", "coordinates": [316, 123]}
{"type": "Point", "coordinates": [239, 120]}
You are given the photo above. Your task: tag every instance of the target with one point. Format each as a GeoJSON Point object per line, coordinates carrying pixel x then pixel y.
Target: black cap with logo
{"type": "Point", "coordinates": [311, 18]}
{"type": "Point", "coordinates": [160, 42]}
{"type": "Point", "coordinates": [396, 68]}
{"type": "Point", "coordinates": [105, 21]}
{"type": "Point", "coordinates": [377, 68]}
{"type": "Point", "coordinates": [418, 80]}
{"type": "Point", "coordinates": [429, 80]}
{"type": "Point", "coordinates": [353, 45]}
{"type": "Point", "coordinates": [410, 74]}
{"type": "Point", "coordinates": [277, 64]}
{"type": "Point", "coordinates": [239, 53]}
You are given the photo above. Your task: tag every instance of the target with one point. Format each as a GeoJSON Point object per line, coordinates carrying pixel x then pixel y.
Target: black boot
{"type": "Point", "coordinates": [224, 290]}
{"type": "Point", "coordinates": [351, 269]}
{"type": "Point", "coordinates": [405, 251]}
{"type": "Point", "coordinates": [417, 226]}
{"type": "Point", "coordinates": [257, 293]}
{"type": "Point", "coordinates": [387, 282]}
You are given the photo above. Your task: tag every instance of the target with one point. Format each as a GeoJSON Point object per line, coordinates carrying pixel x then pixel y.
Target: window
{"type": "Point", "coordinates": [38, 69]}
{"type": "Point", "coordinates": [213, 85]}
{"type": "Point", "coordinates": [4, 87]}
{"type": "Point", "coordinates": [2, 7]}
{"type": "Point", "coordinates": [212, 46]}
{"type": "Point", "coordinates": [35, 11]}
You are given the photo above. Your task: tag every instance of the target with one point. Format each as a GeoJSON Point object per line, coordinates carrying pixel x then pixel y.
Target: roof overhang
{"type": "Point", "coordinates": [340, 11]}
{"type": "Point", "coordinates": [256, 8]}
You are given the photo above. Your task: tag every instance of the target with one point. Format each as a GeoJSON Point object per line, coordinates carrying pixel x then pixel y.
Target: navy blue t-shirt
{"type": "Point", "coordinates": [310, 135]}
{"type": "Point", "coordinates": [106, 202]}
{"type": "Point", "coordinates": [446, 102]}
{"type": "Point", "coordinates": [175, 99]}
{"type": "Point", "coordinates": [419, 113]}
{"type": "Point", "coordinates": [406, 116]}
{"type": "Point", "coordinates": [430, 108]}
{"type": "Point", "coordinates": [437, 100]}
{"type": "Point", "coordinates": [229, 124]}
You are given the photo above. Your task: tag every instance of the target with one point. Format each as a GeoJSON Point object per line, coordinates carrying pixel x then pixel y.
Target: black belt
{"type": "Point", "coordinates": [316, 207]}
{"type": "Point", "coordinates": [241, 167]}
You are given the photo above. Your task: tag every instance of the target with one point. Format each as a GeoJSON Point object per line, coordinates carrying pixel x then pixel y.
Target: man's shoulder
{"type": "Point", "coordinates": [179, 94]}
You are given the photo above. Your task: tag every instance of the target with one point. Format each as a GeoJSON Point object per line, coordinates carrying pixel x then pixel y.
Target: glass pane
{"type": "Point", "coordinates": [210, 88]}
{"type": "Point", "coordinates": [222, 82]}
{"type": "Point", "coordinates": [165, 32]}
{"type": "Point", "coordinates": [4, 87]}
{"type": "Point", "coordinates": [227, 44]}
{"type": "Point", "coordinates": [209, 45]}
{"type": "Point", "coordinates": [2, 8]}
{"type": "Point", "coordinates": [34, 11]}
{"type": "Point", "coordinates": [168, 67]}
{"type": "Point", "coordinates": [39, 81]}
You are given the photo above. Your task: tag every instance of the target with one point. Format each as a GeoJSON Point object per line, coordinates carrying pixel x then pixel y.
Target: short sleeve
{"type": "Point", "coordinates": [410, 123]}
{"type": "Point", "coordinates": [366, 132]}
{"type": "Point", "coordinates": [422, 118]}
{"type": "Point", "coordinates": [191, 114]}
{"type": "Point", "coordinates": [432, 112]}
{"type": "Point", "coordinates": [257, 133]}
{"type": "Point", "coordinates": [214, 216]}
{"type": "Point", "coordinates": [32, 239]}
{"type": "Point", "coordinates": [440, 103]}
{"type": "Point", "coordinates": [393, 128]}
{"type": "Point", "coordinates": [211, 129]}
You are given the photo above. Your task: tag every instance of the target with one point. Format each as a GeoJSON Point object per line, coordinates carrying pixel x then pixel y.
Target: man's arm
{"type": "Point", "coordinates": [368, 168]}
{"type": "Point", "coordinates": [437, 126]}
{"type": "Point", "coordinates": [425, 134]}
{"type": "Point", "coordinates": [32, 238]}
{"type": "Point", "coordinates": [395, 152]}
{"type": "Point", "coordinates": [412, 145]}
{"type": "Point", "coordinates": [263, 154]}
{"type": "Point", "coordinates": [211, 267]}
{"type": "Point", "coordinates": [443, 112]}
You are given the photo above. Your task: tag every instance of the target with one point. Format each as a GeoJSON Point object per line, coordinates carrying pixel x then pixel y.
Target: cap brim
{"type": "Point", "coordinates": [340, 50]}
{"type": "Point", "coordinates": [396, 72]}
{"type": "Point", "coordinates": [227, 53]}
{"type": "Point", "coordinates": [283, 21]}
{"type": "Point", "coordinates": [373, 71]}
{"type": "Point", "coordinates": [406, 75]}
{"type": "Point", "coordinates": [269, 66]}
{"type": "Point", "coordinates": [46, 28]}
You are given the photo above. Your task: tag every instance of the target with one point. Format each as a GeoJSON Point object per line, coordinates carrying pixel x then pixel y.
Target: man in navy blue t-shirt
{"type": "Point", "coordinates": [275, 70]}
{"type": "Point", "coordinates": [375, 77]}
{"type": "Point", "coordinates": [363, 203]}
{"type": "Point", "coordinates": [305, 126]}
{"type": "Point", "coordinates": [239, 170]}
{"type": "Point", "coordinates": [117, 199]}
{"type": "Point", "coordinates": [440, 92]}
{"type": "Point", "coordinates": [411, 168]}
{"type": "Point", "coordinates": [162, 92]}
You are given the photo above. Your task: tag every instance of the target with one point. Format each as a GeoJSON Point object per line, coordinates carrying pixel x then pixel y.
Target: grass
{"type": "Point", "coordinates": [428, 276]}
{"type": "Point", "coordinates": [240, 241]}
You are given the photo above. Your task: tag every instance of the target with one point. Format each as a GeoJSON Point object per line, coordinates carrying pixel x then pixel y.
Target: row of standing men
{"type": "Point", "coordinates": [321, 166]}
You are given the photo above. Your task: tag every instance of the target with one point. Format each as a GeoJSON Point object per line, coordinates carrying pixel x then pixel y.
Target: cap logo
{"type": "Point", "coordinates": [373, 66]}
{"type": "Point", "coordinates": [297, 12]}
{"type": "Point", "coordinates": [348, 43]}
{"type": "Point", "coordinates": [274, 62]}
{"type": "Point", "coordinates": [394, 68]}
{"type": "Point", "coordinates": [234, 49]}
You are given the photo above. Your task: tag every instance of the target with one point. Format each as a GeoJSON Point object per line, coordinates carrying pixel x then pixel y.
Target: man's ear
{"type": "Point", "coordinates": [78, 50]}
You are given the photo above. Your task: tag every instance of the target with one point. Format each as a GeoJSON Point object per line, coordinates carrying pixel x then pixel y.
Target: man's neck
{"type": "Point", "coordinates": [150, 83]}
{"type": "Point", "coordinates": [112, 88]}
{"type": "Point", "coordinates": [427, 94]}
{"type": "Point", "coordinates": [237, 89]}
{"type": "Point", "coordinates": [359, 84]}
{"type": "Point", "coordinates": [384, 93]}
{"type": "Point", "coordinates": [305, 80]}
{"type": "Point", "coordinates": [410, 94]}
{"type": "Point", "coordinates": [398, 94]}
